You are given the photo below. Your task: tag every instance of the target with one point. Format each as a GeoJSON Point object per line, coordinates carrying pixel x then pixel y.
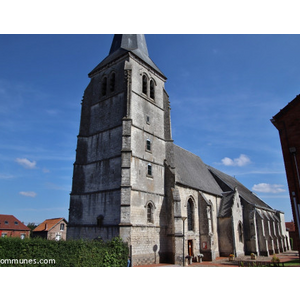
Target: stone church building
{"type": "Point", "coordinates": [131, 180]}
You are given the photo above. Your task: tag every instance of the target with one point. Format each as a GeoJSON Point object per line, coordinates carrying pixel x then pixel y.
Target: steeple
{"type": "Point", "coordinates": [122, 43]}
{"type": "Point", "coordinates": [130, 42]}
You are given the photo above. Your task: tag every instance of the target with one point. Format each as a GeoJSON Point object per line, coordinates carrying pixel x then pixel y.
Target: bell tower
{"type": "Point", "coordinates": [118, 184]}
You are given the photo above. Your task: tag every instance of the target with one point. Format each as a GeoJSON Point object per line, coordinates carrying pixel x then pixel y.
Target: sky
{"type": "Point", "coordinates": [223, 90]}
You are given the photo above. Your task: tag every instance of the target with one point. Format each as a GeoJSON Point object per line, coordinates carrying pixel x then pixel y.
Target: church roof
{"type": "Point", "coordinates": [123, 43]}
{"type": "Point", "coordinates": [226, 205]}
{"type": "Point", "coordinates": [232, 182]}
{"type": "Point", "coordinates": [191, 171]}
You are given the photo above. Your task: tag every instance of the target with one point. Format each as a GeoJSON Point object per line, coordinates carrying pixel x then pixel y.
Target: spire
{"type": "Point", "coordinates": [129, 42]}
{"type": "Point", "coordinates": [134, 43]}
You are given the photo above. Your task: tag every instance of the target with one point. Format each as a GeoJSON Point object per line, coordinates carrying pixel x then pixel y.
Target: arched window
{"type": "Point", "coordinates": [112, 82]}
{"type": "Point", "coordinates": [190, 214]}
{"type": "Point", "coordinates": [103, 86]}
{"type": "Point", "coordinates": [145, 88]}
{"type": "Point", "coordinates": [150, 213]}
{"type": "Point", "coordinates": [152, 90]}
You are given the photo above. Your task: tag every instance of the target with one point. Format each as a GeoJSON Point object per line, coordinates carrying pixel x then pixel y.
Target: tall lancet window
{"type": "Point", "coordinates": [112, 82]}
{"type": "Point", "coordinates": [145, 83]}
{"type": "Point", "coordinates": [190, 214]}
{"type": "Point", "coordinates": [150, 213]}
{"type": "Point", "coordinates": [104, 86]}
{"type": "Point", "coordinates": [152, 94]}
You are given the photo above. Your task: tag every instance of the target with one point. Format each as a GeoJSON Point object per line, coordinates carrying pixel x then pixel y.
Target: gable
{"type": "Point", "coordinates": [48, 224]}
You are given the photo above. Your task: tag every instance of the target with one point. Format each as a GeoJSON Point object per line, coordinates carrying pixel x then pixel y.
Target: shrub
{"type": "Point", "coordinates": [72, 253]}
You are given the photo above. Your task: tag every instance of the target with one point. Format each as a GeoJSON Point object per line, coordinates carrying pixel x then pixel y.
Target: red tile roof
{"type": "Point", "coordinates": [9, 222]}
{"type": "Point", "coordinates": [48, 224]}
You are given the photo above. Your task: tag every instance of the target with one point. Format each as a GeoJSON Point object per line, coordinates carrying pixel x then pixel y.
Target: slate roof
{"type": "Point", "coordinates": [50, 224]}
{"type": "Point", "coordinates": [245, 193]}
{"type": "Point", "coordinates": [123, 43]}
{"type": "Point", "coordinates": [9, 222]}
{"type": "Point", "coordinates": [191, 171]}
{"type": "Point", "coordinates": [226, 205]}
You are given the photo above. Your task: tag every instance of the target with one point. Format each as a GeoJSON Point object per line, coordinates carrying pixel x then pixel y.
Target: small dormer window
{"type": "Point", "coordinates": [145, 88]}
{"type": "Point", "coordinates": [152, 89]}
{"type": "Point", "coordinates": [6, 222]}
{"type": "Point", "coordinates": [16, 223]}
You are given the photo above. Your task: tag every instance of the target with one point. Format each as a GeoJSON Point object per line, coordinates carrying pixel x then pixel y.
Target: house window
{"type": "Point", "coordinates": [112, 82]}
{"type": "Point", "coordinates": [148, 145]}
{"type": "Point", "coordinates": [16, 223]}
{"type": "Point", "coordinates": [22, 236]}
{"type": "Point", "coordinates": [4, 234]}
{"type": "Point", "coordinates": [6, 222]}
{"type": "Point", "coordinates": [190, 214]}
{"type": "Point", "coordinates": [149, 170]}
{"type": "Point", "coordinates": [62, 226]}
{"type": "Point", "coordinates": [104, 84]}
{"type": "Point", "coordinates": [145, 84]}
{"type": "Point", "coordinates": [151, 89]}
{"type": "Point", "coordinates": [150, 213]}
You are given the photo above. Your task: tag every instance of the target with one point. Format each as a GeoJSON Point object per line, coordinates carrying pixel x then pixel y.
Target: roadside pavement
{"type": "Point", "coordinates": [224, 261]}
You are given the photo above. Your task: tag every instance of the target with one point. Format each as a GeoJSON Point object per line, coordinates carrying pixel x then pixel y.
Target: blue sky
{"type": "Point", "coordinates": [223, 89]}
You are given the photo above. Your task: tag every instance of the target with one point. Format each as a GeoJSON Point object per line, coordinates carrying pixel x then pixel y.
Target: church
{"type": "Point", "coordinates": [130, 179]}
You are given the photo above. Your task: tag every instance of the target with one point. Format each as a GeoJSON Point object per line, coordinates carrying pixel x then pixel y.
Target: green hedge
{"type": "Point", "coordinates": [39, 252]}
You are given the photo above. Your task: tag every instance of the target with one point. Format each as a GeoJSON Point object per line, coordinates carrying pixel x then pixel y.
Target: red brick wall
{"type": "Point", "coordinates": [287, 121]}
{"type": "Point", "coordinates": [15, 233]}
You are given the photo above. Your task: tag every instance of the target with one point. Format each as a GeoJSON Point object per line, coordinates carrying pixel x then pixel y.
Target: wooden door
{"type": "Point", "coordinates": [190, 247]}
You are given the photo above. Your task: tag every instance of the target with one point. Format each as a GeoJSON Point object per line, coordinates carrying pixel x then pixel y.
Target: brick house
{"type": "Point", "coordinates": [287, 121]}
{"type": "Point", "coordinates": [10, 226]}
{"type": "Point", "coordinates": [52, 229]}
{"type": "Point", "coordinates": [290, 227]}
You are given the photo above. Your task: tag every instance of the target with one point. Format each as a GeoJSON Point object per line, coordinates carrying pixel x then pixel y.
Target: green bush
{"type": "Point", "coordinates": [72, 253]}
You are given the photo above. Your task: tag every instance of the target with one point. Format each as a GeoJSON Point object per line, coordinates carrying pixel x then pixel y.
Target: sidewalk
{"type": "Point", "coordinates": [224, 262]}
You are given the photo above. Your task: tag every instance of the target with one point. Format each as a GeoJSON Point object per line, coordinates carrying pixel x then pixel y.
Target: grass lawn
{"type": "Point", "coordinates": [293, 263]}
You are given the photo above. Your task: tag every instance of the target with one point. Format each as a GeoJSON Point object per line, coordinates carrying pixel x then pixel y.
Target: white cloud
{"type": "Point", "coordinates": [6, 176]}
{"type": "Point", "coordinates": [268, 188]}
{"type": "Point", "coordinates": [28, 194]}
{"type": "Point", "coordinates": [27, 164]}
{"type": "Point", "coordinates": [241, 161]}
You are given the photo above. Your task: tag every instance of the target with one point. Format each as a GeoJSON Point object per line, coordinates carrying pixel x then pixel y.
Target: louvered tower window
{"type": "Point", "coordinates": [145, 84]}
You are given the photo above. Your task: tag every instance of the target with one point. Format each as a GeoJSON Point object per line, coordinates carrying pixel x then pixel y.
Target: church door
{"type": "Point", "coordinates": [190, 247]}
